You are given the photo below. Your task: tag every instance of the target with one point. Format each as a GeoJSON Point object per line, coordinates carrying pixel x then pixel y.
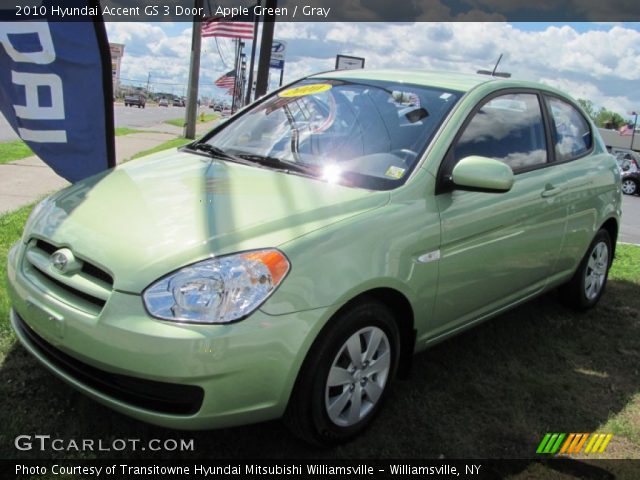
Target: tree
{"type": "Point", "coordinates": [603, 118]}
{"type": "Point", "coordinates": [588, 107]}
{"type": "Point", "coordinates": [608, 119]}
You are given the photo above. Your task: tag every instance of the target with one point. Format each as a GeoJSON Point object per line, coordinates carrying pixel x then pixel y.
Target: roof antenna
{"type": "Point", "coordinates": [494, 72]}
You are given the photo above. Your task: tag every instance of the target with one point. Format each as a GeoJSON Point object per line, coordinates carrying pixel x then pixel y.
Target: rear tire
{"type": "Point", "coordinates": [346, 376]}
{"type": "Point", "coordinates": [629, 186]}
{"type": "Point", "coordinates": [588, 283]}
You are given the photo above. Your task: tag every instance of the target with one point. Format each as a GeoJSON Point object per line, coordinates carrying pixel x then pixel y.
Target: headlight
{"type": "Point", "coordinates": [218, 290]}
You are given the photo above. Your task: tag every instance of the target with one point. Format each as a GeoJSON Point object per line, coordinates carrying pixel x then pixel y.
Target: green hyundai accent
{"type": "Point", "coordinates": [291, 261]}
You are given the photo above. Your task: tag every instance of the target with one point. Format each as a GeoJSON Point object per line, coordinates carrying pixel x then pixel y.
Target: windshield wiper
{"type": "Point", "coordinates": [213, 150]}
{"type": "Point", "coordinates": [280, 164]}
{"type": "Point", "coordinates": [249, 158]}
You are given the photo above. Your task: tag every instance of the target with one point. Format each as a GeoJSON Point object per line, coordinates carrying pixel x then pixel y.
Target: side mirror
{"type": "Point", "coordinates": [482, 173]}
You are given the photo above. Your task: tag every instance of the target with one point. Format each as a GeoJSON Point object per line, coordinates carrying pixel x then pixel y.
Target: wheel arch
{"type": "Point", "coordinates": [611, 227]}
{"type": "Point", "coordinates": [403, 314]}
{"type": "Point", "coordinates": [297, 417]}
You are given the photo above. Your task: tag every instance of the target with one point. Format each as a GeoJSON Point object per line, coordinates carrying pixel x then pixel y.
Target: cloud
{"type": "Point", "coordinates": [602, 63]}
{"type": "Point", "coordinates": [580, 89]}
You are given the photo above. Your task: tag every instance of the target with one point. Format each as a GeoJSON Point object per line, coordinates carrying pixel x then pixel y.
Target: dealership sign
{"type": "Point", "coordinates": [56, 93]}
{"type": "Point", "coordinates": [278, 49]}
{"type": "Point", "coordinates": [346, 62]}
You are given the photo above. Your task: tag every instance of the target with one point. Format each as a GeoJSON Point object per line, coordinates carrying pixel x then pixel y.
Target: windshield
{"type": "Point", "coordinates": [367, 134]}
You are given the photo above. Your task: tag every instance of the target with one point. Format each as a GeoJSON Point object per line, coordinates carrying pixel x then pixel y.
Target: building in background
{"type": "Point", "coordinates": [117, 51]}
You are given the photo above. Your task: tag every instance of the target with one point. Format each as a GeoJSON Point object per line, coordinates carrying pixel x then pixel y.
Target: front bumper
{"type": "Point", "coordinates": [244, 371]}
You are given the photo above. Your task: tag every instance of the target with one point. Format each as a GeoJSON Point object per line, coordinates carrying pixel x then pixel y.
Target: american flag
{"type": "Point", "coordinates": [228, 80]}
{"type": "Point", "coordinates": [227, 27]}
{"type": "Point", "coordinates": [626, 130]}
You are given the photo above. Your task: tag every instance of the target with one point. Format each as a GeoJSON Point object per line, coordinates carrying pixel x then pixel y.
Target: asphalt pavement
{"type": "Point", "coordinates": [151, 116]}
{"type": "Point", "coordinates": [630, 230]}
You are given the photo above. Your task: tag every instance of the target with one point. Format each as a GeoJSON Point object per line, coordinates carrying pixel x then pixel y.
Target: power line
{"type": "Point", "coordinates": [224, 63]}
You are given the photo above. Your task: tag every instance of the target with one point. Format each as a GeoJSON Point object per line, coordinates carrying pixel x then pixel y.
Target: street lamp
{"type": "Point", "coordinates": [633, 132]}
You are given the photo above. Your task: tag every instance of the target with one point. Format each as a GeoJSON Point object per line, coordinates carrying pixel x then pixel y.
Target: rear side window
{"type": "Point", "coordinates": [571, 130]}
{"type": "Point", "coordinates": [508, 128]}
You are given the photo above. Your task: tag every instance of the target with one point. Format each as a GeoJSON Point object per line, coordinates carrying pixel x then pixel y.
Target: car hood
{"type": "Point", "coordinates": [149, 217]}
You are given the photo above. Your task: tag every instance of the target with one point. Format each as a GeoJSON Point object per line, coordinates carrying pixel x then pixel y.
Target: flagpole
{"type": "Point", "coordinates": [243, 77]}
{"type": "Point", "coordinates": [235, 82]}
{"type": "Point", "coordinates": [253, 56]}
{"type": "Point", "coordinates": [194, 74]}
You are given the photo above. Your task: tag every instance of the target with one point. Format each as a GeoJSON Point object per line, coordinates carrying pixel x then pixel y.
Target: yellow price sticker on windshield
{"type": "Point", "coordinates": [394, 172]}
{"type": "Point", "coordinates": [305, 90]}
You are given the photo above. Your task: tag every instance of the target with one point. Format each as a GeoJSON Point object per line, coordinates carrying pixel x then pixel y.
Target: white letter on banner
{"type": "Point", "coordinates": [46, 55]}
{"type": "Point", "coordinates": [32, 110]}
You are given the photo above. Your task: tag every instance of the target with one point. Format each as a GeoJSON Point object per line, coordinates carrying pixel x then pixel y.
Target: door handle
{"type": "Point", "coordinates": [550, 191]}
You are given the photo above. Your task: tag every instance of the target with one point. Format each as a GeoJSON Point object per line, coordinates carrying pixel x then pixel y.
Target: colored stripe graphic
{"type": "Point", "coordinates": [572, 443]}
{"type": "Point", "coordinates": [556, 446]}
{"type": "Point", "coordinates": [591, 442]}
{"type": "Point", "coordinates": [606, 442]}
{"type": "Point", "coordinates": [580, 443]}
{"type": "Point", "coordinates": [551, 443]}
{"type": "Point", "coordinates": [567, 443]}
{"type": "Point", "coordinates": [543, 443]}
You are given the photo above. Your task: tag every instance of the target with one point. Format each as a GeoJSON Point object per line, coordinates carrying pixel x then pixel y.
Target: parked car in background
{"type": "Point", "coordinates": [626, 153]}
{"type": "Point", "coordinates": [291, 261]}
{"type": "Point", "coordinates": [163, 102]}
{"type": "Point", "coordinates": [630, 172]}
{"type": "Point", "coordinates": [135, 100]}
{"type": "Point", "coordinates": [178, 102]}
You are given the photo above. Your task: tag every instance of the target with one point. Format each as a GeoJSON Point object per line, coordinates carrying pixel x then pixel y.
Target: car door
{"type": "Point", "coordinates": [498, 248]}
{"type": "Point", "coordinates": [585, 172]}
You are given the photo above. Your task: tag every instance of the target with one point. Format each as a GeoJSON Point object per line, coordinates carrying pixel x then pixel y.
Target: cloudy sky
{"type": "Point", "coordinates": [600, 62]}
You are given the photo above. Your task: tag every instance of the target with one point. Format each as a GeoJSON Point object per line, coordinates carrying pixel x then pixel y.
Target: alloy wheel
{"type": "Point", "coordinates": [358, 376]}
{"type": "Point", "coordinates": [596, 271]}
{"type": "Point", "coordinates": [629, 187]}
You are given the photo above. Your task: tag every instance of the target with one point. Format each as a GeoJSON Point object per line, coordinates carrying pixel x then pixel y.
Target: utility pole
{"type": "Point", "coordinates": [633, 132]}
{"type": "Point", "coordinates": [194, 75]}
{"type": "Point", "coordinates": [148, 80]}
{"type": "Point", "coordinates": [268, 25]}
{"type": "Point", "coordinates": [236, 85]}
{"type": "Point", "coordinates": [243, 81]}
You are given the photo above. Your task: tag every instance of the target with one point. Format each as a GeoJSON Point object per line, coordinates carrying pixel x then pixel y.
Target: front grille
{"type": "Point", "coordinates": [161, 397]}
{"type": "Point", "coordinates": [87, 289]}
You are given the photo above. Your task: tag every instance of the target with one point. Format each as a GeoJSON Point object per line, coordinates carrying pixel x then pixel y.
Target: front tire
{"type": "Point", "coordinates": [588, 283]}
{"type": "Point", "coordinates": [346, 375]}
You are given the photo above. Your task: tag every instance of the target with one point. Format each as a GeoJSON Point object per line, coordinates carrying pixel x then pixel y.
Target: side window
{"type": "Point", "coordinates": [572, 132]}
{"type": "Point", "coordinates": [508, 128]}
